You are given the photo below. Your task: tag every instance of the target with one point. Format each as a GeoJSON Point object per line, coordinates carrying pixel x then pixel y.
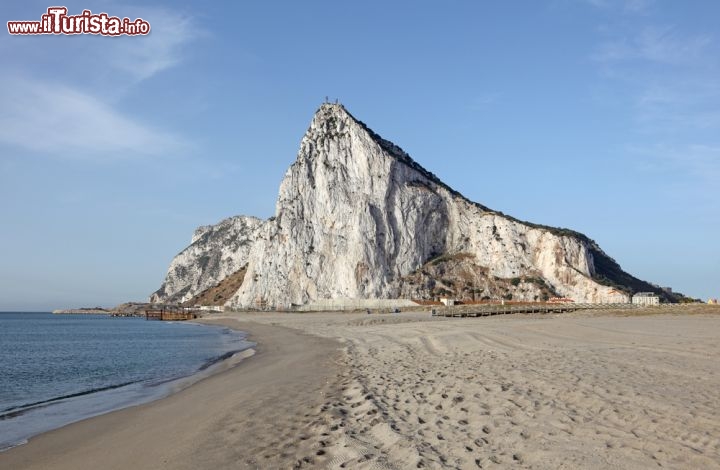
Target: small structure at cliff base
{"type": "Point", "coordinates": [646, 299]}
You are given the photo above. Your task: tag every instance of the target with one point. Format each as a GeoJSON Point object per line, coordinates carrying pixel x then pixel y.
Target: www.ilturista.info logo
{"type": "Point", "coordinates": [57, 21]}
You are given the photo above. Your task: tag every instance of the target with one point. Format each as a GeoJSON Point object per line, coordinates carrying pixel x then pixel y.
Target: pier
{"type": "Point", "coordinates": [169, 314]}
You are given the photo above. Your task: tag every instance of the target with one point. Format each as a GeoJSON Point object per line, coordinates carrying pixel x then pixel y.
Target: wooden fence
{"type": "Point", "coordinates": [495, 309]}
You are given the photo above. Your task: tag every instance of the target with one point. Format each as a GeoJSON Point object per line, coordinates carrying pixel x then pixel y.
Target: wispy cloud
{"type": "Point", "coordinates": [653, 44]}
{"type": "Point", "coordinates": [670, 76]}
{"type": "Point", "coordinates": [666, 77]}
{"type": "Point", "coordinates": [631, 6]}
{"type": "Point", "coordinates": [684, 175]}
{"type": "Point", "coordinates": [482, 100]}
{"type": "Point", "coordinates": [700, 161]}
{"type": "Point", "coordinates": [76, 114]}
{"type": "Point", "coordinates": [677, 105]}
{"type": "Point", "coordinates": [163, 48]}
{"type": "Point", "coordinates": [57, 120]}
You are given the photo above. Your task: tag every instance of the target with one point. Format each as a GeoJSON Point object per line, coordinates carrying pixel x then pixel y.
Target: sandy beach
{"type": "Point", "coordinates": [259, 414]}
{"type": "Point", "coordinates": [340, 390]}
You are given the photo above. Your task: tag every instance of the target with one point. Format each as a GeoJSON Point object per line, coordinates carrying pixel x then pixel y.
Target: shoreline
{"type": "Point", "coordinates": [191, 420]}
{"type": "Point", "coordinates": [29, 420]}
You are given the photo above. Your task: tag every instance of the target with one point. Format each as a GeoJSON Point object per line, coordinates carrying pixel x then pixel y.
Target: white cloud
{"type": "Point", "coordinates": [700, 162]}
{"type": "Point", "coordinates": [637, 5]}
{"type": "Point", "coordinates": [652, 44]}
{"type": "Point", "coordinates": [141, 57]}
{"type": "Point", "coordinates": [629, 6]}
{"type": "Point", "coordinates": [669, 75]}
{"type": "Point", "coordinates": [115, 60]}
{"type": "Point", "coordinates": [76, 114]}
{"type": "Point", "coordinates": [678, 105]}
{"type": "Point", "coordinates": [57, 120]}
{"type": "Point", "coordinates": [666, 78]}
{"type": "Point", "coordinates": [482, 100]}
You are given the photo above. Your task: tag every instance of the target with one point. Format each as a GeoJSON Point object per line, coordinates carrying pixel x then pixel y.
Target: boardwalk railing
{"type": "Point", "coordinates": [487, 310]}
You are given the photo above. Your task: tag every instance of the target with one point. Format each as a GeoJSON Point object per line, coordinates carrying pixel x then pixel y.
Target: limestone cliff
{"type": "Point", "coordinates": [215, 252]}
{"type": "Point", "coordinates": [357, 218]}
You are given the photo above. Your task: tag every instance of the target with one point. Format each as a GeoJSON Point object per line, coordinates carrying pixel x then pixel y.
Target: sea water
{"type": "Point", "coordinates": [58, 369]}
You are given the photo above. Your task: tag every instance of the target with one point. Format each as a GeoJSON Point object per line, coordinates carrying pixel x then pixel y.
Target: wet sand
{"type": "Point", "coordinates": [254, 415]}
{"type": "Point", "coordinates": [341, 390]}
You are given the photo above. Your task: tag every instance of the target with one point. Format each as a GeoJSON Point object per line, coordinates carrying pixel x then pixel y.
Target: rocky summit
{"type": "Point", "coordinates": [357, 220]}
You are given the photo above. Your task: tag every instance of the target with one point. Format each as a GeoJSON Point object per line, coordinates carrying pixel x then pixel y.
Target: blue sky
{"type": "Point", "coordinates": [598, 115]}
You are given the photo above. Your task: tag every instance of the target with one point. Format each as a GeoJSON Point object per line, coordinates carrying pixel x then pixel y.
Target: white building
{"type": "Point", "coordinates": [646, 299]}
{"type": "Point", "coordinates": [206, 308]}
